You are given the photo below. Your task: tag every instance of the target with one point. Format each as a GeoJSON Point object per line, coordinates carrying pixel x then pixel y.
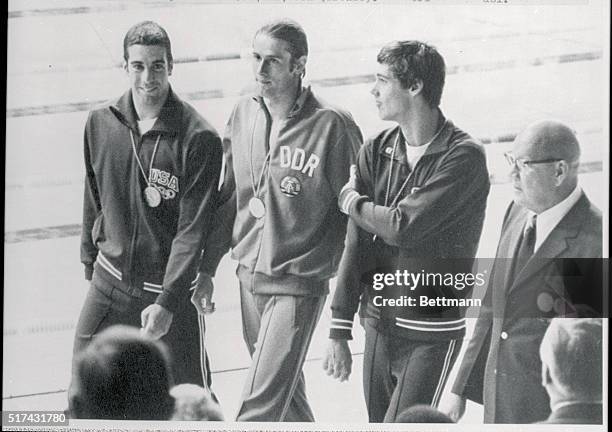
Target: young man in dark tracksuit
{"type": "Point", "coordinates": [416, 202]}
{"type": "Point", "coordinates": [152, 172]}
{"type": "Point", "coordinates": [288, 155]}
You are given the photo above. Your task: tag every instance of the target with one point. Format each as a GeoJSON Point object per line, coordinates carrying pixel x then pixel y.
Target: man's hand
{"type": "Point", "coordinates": [453, 406]}
{"type": "Point", "coordinates": [349, 192]}
{"type": "Point", "coordinates": [338, 359]}
{"type": "Point", "coordinates": [155, 321]}
{"type": "Point", "coordinates": [352, 181]}
{"type": "Point", "coordinates": [202, 295]}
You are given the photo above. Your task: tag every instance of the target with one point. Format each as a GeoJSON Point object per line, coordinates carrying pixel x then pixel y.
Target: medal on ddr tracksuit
{"type": "Point", "coordinates": [257, 207]}
{"type": "Point", "coordinates": [151, 194]}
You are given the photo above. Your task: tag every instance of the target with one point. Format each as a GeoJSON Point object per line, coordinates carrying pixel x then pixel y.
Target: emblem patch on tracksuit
{"type": "Point", "coordinates": [166, 183]}
{"type": "Point", "coordinates": [290, 186]}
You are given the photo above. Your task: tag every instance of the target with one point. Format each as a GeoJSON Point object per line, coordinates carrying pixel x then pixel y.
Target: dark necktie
{"type": "Point", "coordinates": [526, 245]}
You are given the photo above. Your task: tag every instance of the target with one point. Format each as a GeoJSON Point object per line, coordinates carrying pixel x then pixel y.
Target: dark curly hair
{"type": "Point", "coordinates": [147, 33]}
{"type": "Point", "coordinates": [412, 61]}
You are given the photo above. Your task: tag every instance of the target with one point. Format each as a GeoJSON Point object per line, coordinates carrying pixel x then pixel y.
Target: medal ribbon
{"type": "Point", "coordinates": [147, 179]}
{"type": "Point", "coordinates": [413, 169]}
{"type": "Point", "coordinates": [266, 164]}
{"type": "Point", "coordinates": [388, 191]}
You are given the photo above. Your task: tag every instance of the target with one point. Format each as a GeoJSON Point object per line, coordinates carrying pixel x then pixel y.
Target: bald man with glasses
{"type": "Point", "coordinates": [541, 271]}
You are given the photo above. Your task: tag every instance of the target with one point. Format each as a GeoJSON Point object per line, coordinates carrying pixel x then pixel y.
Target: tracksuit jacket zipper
{"type": "Point", "coordinates": [268, 132]}
{"type": "Point", "coordinates": [134, 211]}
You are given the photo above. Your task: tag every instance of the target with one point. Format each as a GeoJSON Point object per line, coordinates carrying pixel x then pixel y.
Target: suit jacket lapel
{"type": "Point", "coordinates": [556, 242]}
{"type": "Point", "coordinates": [508, 246]}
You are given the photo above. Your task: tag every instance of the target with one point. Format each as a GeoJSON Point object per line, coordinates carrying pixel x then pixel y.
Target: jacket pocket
{"type": "Point", "coordinates": [97, 231]}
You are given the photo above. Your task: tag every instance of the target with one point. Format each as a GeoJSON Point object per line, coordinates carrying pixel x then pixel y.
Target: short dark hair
{"type": "Point", "coordinates": [572, 350]}
{"type": "Point", "coordinates": [122, 375]}
{"type": "Point", "coordinates": [147, 33]}
{"type": "Point", "coordinates": [410, 61]}
{"type": "Point", "coordinates": [290, 32]}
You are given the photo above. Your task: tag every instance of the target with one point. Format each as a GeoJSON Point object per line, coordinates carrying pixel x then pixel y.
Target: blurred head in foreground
{"type": "Point", "coordinates": [122, 375]}
{"type": "Point", "coordinates": [422, 414]}
{"type": "Point", "coordinates": [571, 354]}
{"type": "Point", "coordinates": [194, 403]}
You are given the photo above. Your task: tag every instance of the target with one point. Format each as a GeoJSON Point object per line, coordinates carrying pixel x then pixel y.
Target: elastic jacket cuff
{"type": "Point", "coordinates": [168, 300]}
{"type": "Point", "coordinates": [346, 200]}
{"type": "Point", "coordinates": [88, 271]}
{"type": "Point", "coordinates": [210, 262]}
{"type": "Point", "coordinates": [341, 329]}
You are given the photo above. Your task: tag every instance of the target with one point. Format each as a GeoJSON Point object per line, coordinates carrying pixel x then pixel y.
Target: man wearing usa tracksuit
{"type": "Point", "coordinates": [152, 173]}
{"type": "Point", "coordinates": [416, 203]}
{"type": "Point", "coordinates": [288, 154]}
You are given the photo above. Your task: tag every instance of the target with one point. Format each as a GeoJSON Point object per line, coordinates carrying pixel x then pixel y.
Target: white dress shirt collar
{"type": "Point", "coordinates": [549, 219]}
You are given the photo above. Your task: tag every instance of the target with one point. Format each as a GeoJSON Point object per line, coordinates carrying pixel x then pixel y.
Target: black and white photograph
{"type": "Point", "coordinates": [306, 215]}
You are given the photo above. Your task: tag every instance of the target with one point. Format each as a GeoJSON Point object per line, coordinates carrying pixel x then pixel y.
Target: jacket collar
{"type": "Point", "coordinates": [442, 141]}
{"type": "Point", "coordinates": [299, 104]}
{"type": "Point", "coordinates": [438, 145]}
{"type": "Point", "coordinates": [168, 120]}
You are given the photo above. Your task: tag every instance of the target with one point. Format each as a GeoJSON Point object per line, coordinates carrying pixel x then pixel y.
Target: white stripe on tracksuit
{"type": "Point", "coordinates": [444, 374]}
{"type": "Point", "coordinates": [430, 326]}
{"type": "Point", "coordinates": [105, 263]}
{"type": "Point", "coordinates": [146, 286]}
{"type": "Point", "coordinates": [203, 367]}
{"type": "Point", "coordinates": [341, 324]}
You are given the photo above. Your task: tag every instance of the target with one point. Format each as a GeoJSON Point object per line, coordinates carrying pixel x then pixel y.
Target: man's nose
{"type": "Point", "coordinates": [514, 172]}
{"type": "Point", "coordinates": [262, 67]}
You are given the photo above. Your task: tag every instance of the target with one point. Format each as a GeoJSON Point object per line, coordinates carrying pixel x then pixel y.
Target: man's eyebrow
{"type": "Point", "coordinates": [379, 75]}
{"type": "Point", "coordinates": [266, 56]}
{"type": "Point", "coordinates": [158, 61]}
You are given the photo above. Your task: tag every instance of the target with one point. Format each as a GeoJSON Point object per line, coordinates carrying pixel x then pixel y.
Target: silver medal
{"type": "Point", "coordinates": [152, 196]}
{"type": "Point", "coordinates": [257, 207]}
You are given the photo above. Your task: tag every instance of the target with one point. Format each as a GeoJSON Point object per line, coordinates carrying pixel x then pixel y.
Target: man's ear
{"type": "Point", "coordinates": [416, 87]}
{"type": "Point", "coordinates": [300, 65]}
{"type": "Point", "coordinates": [125, 66]}
{"type": "Point", "coordinates": [170, 68]}
{"type": "Point", "coordinates": [546, 378]}
{"type": "Point", "coordinates": [561, 171]}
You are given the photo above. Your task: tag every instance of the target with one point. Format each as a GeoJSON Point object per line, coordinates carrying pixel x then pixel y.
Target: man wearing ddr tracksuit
{"type": "Point", "coordinates": [416, 203]}
{"type": "Point", "coordinates": [152, 173]}
{"type": "Point", "coordinates": [288, 154]}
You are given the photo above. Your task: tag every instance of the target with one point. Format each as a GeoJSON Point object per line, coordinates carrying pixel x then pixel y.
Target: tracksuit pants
{"type": "Point", "coordinates": [277, 330]}
{"type": "Point", "coordinates": [106, 305]}
{"type": "Point", "coordinates": [400, 372]}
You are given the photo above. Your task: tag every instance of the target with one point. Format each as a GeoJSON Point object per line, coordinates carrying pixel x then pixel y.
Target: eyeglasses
{"type": "Point", "coordinates": [521, 163]}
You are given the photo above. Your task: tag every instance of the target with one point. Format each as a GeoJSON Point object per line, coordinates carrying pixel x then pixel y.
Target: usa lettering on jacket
{"type": "Point", "coordinates": [296, 160]}
{"type": "Point", "coordinates": [166, 183]}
